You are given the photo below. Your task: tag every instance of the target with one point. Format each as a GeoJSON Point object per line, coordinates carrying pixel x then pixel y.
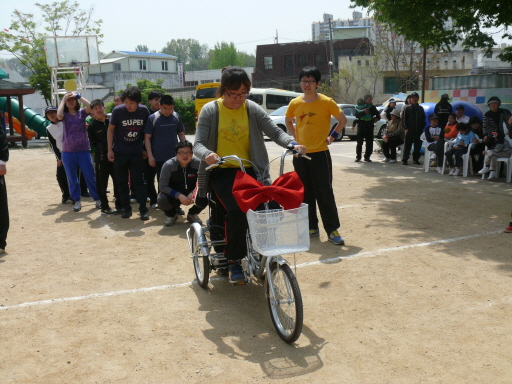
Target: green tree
{"type": "Point", "coordinates": [190, 52]}
{"type": "Point", "coordinates": [187, 110]}
{"type": "Point", "coordinates": [141, 48]}
{"type": "Point", "coordinates": [25, 37]}
{"type": "Point", "coordinates": [424, 22]}
{"type": "Point", "coordinates": [225, 54]}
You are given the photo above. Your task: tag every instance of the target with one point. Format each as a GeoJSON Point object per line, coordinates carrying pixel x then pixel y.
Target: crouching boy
{"type": "Point", "coordinates": [177, 183]}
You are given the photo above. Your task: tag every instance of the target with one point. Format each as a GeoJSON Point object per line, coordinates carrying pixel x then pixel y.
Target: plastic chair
{"type": "Point", "coordinates": [467, 165]}
{"type": "Point", "coordinates": [507, 161]}
{"type": "Point", "coordinates": [426, 156]}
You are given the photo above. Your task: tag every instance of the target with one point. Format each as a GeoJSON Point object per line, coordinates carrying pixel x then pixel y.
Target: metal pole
{"type": "Point", "coordinates": [423, 83]}
{"type": "Point", "coordinates": [331, 53]}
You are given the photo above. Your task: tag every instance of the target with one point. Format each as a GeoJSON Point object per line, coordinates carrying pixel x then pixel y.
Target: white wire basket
{"type": "Point", "coordinates": [279, 232]}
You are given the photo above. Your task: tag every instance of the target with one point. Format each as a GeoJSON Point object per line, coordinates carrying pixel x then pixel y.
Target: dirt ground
{"type": "Point", "coordinates": [422, 293]}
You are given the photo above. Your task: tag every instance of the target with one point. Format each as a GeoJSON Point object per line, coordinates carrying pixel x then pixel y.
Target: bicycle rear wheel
{"type": "Point", "coordinates": [200, 256]}
{"type": "Point", "coordinates": [286, 308]}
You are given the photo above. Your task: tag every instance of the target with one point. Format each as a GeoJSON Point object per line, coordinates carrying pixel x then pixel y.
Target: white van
{"type": "Point", "coordinates": [270, 98]}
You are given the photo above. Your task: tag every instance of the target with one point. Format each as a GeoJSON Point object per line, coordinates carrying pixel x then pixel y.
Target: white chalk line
{"type": "Point", "coordinates": [307, 264]}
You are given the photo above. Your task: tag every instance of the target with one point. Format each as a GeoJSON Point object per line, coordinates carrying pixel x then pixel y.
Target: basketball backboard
{"type": "Point", "coordinates": [69, 51]}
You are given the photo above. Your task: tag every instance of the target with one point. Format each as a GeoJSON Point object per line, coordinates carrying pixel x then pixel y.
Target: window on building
{"type": "Point", "coordinates": [288, 61]}
{"type": "Point", "coordinates": [267, 62]}
{"type": "Point", "coordinates": [367, 63]}
{"type": "Point", "coordinates": [358, 62]}
{"type": "Point", "coordinates": [142, 65]}
{"type": "Point", "coordinates": [165, 66]}
{"type": "Point", "coordinates": [191, 83]}
{"type": "Point", "coordinates": [117, 66]}
{"type": "Point", "coordinates": [319, 59]}
{"type": "Point", "coordinates": [303, 60]}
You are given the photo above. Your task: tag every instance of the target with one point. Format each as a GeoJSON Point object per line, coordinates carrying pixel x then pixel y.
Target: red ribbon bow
{"type": "Point", "coordinates": [287, 190]}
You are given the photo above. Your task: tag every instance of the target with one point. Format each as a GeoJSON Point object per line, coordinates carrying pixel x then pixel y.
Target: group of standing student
{"type": "Point", "coordinates": [120, 151]}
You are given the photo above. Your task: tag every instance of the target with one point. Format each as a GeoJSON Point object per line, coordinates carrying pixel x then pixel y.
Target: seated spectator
{"type": "Point", "coordinates": [462, 142]}
{"type": "Point", "coordinates": [450, 130]}
{"type": "Point", "coordinates": [477, 157]}
{"type": "Point", "coordinates": [460, 116]}
{"type": "Point", "coordinates": [434, 137]}
{"type": "Point", "coordinates": [496, 119]}
{"type": "Point", "coordinates": [394, 137]}
{"type": "Point", "coordinates": [492, 153]}
{"type": "Point", "coordinates": [177, 183]}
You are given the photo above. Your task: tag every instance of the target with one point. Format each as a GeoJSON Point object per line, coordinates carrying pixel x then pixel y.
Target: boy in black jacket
{"type": "Point", "coordinates": [97, 132]}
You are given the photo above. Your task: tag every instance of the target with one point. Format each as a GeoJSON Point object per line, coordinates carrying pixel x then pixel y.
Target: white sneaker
{"type": "Point", "coordinates": [492, 175]}
{"type": "Point", "coordinates": [392, 161]}
{"type": "Point", "coordinates": [440, 170]}
{"type": "Point", "coordinates": [98, 204]}
{"type": "Point", "coordinates": [133, 201]}
{"type": "Point", "coordinates": [433, 156]}
{"type": "Point", "coordinates": [451, 172]}
{"type": "Point", "coordinates": [77, 207]}
{"type": "Point", "coordinates": [456, 172]}
{"type": "Point", "coordinates": [385, 160]}
{"type": "Point", "coordinates": [154, 206]}
{"type": "Point", "coordinates": [170, 221]}
{"type": "Point", "coordinates": [485, 169]}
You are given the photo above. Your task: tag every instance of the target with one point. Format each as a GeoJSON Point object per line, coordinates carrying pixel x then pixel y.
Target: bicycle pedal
{"type": "Point", "coordinates": [242, 282]}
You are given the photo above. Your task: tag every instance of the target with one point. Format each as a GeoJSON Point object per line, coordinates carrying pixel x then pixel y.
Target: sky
{"type": "Point", "coordinates": [128, 23]}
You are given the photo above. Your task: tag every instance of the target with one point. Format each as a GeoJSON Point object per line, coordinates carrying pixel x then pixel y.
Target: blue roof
{"type": "Point", "coordinates": [147, 54]}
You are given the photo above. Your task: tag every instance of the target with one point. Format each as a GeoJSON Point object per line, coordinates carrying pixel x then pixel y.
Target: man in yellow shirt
{"type": "Point", "coordinates": [312, 112]}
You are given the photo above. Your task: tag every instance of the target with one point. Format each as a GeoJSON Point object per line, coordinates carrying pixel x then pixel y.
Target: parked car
{"type": "Point", "coordinates": [278, 117]}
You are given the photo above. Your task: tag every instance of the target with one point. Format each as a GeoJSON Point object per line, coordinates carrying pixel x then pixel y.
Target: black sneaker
{"type": "Point", "coordinates": [367, 160]}
{"type": "Point", "coordinates": [85, 194]}
{"type": "Point", "coordinates": [108, 211]}
{"type": "Point", "coordinates": [404, 162]}
{"type": "Point", "coordinates": [126, 214]}
{"type": "Point", "coordinates": [417, 162]}
{"type": "Point", "coordinates": [144, 214]}
{"type": "Point", "coordinates": [358, 159]}
{"type": "Point", "coordinates": [180, 212]}
{"type": "Point", "coordinates": [65, 199]}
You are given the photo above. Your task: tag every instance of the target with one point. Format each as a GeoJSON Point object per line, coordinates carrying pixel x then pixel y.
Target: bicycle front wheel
{"type": "Point", "coordinates": [200, 256]}
{"type": "Point", "coordinates": [285, 307]}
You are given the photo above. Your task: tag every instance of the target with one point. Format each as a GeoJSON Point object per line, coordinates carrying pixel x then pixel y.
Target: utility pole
{"type": "Point", "coordinates": [423, 83]}
{"type": "Point", "coordinates": [276, 40]}
{"type": "Point", "coordinates": [331, 53]}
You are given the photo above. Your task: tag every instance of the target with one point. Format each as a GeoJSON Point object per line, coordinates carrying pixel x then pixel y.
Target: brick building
{"type": "Point", "coordinates": [279, 65]}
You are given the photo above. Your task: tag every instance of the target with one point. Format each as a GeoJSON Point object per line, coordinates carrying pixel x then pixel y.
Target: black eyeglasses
{"type": "Point", "coordinates": [306, 82]}
{"type": "Point", "coordinates": [185, 153]}
{"type": "Point", "coordinates": [237, 95]}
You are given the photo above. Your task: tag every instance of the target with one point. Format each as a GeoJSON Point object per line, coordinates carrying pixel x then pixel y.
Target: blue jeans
{"type": "Point", "coordinates": [74, 160]}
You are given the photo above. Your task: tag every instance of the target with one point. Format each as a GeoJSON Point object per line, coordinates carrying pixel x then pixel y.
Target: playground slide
{"type": "Point", "coordinates": [33, 120]}
{"type": "Point", "coordinates": [17, 127]}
